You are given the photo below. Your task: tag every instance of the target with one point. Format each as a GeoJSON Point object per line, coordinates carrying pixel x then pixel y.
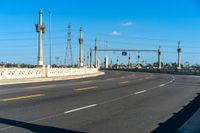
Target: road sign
{"type": "Point", "coordinates": [124, 53]}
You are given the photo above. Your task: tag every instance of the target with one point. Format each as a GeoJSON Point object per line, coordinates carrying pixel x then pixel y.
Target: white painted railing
{"type": "Point", "coordinates": [20, 73]}
{"type": "Point", "coordinates": [60, 72]}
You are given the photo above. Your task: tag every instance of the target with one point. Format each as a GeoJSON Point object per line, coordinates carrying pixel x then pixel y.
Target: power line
{"type": "Point", "coordinates": [110, 35]}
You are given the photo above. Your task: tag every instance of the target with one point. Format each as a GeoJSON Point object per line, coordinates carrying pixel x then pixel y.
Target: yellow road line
{"type": "Point", "coordinates": [109, 79]}
{"type": "Point", "coordinates": [124, 82]}
{"type": "Point", "coordinates": [21, 97]}
{"type": "Point", "coordinates": [43, 86]}
{"type": "Point", "coordinates": [86, 88]}
{"type": "Point", "coordinates": [88, 81]}
{"type": "Point", "coordinates": [140, 79]}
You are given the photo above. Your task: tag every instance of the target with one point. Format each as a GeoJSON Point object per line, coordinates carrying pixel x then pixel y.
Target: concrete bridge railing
{"type": "Point", "coordinates": [43, 72]}
{"type": "Point", "coordinates": [60, 72]}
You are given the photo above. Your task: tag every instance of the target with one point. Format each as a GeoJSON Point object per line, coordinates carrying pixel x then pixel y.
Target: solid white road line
{"type": "Point", "coordinates": [74, 110]}
{"type": "Point", "coordinates": [162, 85]}
{"type": "Point", "coordinates": [139, 92]}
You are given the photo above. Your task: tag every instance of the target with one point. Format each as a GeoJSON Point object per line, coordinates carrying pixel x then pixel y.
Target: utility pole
{"type": "Point", "coordinates": [179, 55]}
{"type": "Point", "coordinates": [40, 29]}
{"type": "Point", "coordinates": [49, 38]}
{"type": "Point", "coordinates": [68, 53]}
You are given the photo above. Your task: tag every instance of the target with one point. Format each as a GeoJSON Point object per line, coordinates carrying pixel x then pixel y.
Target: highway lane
{"type": "Point", "coordinates": [115, 102]}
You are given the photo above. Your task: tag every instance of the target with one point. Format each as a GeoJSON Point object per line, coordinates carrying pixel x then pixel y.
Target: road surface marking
{"type": "Point", "coordinates": [43, 86]}
{"type": "Point", "coordinates": [123, 82]}
{"type": "Point", "coordinates": [139, 92]}
{"type": "Point", "coordinates": [162, 85]}
{"type": "Point", "coordinates": [86, 88]}
{"type": "Point", "coordinates": [21, 97]}
{"type": "Point", "coordinates": [109, 79]}
{"type": "Point", "coordinates": [88, 81]}
{"type": "Point", "coordinates": [140, 79]}
{"type": "Point", "coordinates": [47, 117]}
{"type": "Point", "coordinates": [61, 114]}
{"type": "Point", "coordinates": [78, 109]}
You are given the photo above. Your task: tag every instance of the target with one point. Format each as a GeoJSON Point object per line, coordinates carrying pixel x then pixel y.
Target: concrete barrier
{"type": "Point", "coordinates": [43, 72]}
{"type": "Point", "coordinates": [20, 73]}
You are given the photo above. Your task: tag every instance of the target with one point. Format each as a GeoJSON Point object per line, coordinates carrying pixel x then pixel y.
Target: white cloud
{"type": "Point", "coordinates": [127, 23]}
{"type": "Point", "coordinates": [115, 33]}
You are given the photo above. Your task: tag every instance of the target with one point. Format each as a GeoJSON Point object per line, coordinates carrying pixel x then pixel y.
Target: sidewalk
{"type": "Point", "coordinates": [34, 80]}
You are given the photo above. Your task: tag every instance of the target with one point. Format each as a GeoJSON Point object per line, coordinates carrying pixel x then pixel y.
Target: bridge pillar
{"type": "Point", "coordinates": [117, 63]}
{"type": "Point", "coordinates": [179, 56]}
{"type": "Point", "coordinates": [96, 58]}
{"type": "Point", "coordinates": [81, 48]}
{"type": "Point", "coordinates": [106, 62]}
{"type": "Point", "coordinates": [138, 62]}
{"type": "Point", "coordinates": [90, 58]}
{"type": "Point", "coordinates": [129, 62]}
{"type": "Point", "coordinates": [159, 60]}
{"type": "Point", "coordinates": [40, 29]}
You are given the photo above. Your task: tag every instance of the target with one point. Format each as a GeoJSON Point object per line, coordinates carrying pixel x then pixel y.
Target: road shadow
{"type": "Point", "coordinates": [178, 119]}
{"type": "Point", "coordinates": [34, 127]}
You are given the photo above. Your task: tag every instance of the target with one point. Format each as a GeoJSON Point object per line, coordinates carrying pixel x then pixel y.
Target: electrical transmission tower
{"type": "Point", "coordinates": [68, 61]}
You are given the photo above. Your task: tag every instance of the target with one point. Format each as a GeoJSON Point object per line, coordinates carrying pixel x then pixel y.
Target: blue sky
{"type": "Point", "coordinates": [127, 24]}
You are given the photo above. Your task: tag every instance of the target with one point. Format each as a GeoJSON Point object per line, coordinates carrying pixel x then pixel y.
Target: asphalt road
{"type": "Point", "coordinates": [118, 102]}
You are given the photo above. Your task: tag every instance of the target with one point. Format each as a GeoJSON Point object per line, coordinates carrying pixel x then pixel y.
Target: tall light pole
{"type": "Point", "coordinates": [40, 29]}
{"type": "Point", "coordinates": [49, 38]}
